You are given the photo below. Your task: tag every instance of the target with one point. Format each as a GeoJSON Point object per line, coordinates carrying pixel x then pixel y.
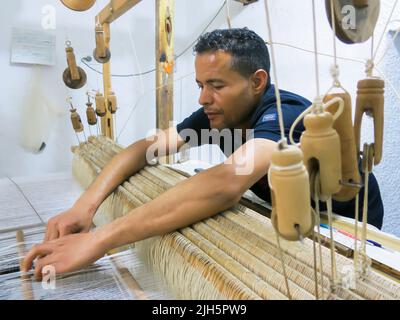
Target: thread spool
{"type": "Point", "coordinates": [370, 100]}
{"type": "Point", "coordinates": [78, 5]}
{"type": "Point", "coordinates": [320, 144]}
{"type": "Point", "coordinates": [365, 14]}
{"type": "Point", "coordinates": [100, 105]}
{"type": "Point", "coordinates": [112, 102]}
{"type": "Point", "coordinates": [91, 114]}
{"type": "Point", "coordinates": [101, 53]}
{"type": "Point", "coordinates": [343, 125]}
{"type": "Point", "coordinates": [76, 121]}
{"type": "Point", "coordinates": [292, 215]}
{"type": "Point", "coordinates": [74, 77]}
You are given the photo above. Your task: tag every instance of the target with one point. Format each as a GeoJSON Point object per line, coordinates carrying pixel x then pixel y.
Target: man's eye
{"type": "Point", "coordinates": [218, 87]}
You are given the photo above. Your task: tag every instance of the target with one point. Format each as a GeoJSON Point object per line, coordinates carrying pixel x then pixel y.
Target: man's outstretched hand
{"type": "Point", "coordinates": [66, 254]}
{"type": "Point", "coordinates": [74, 220]}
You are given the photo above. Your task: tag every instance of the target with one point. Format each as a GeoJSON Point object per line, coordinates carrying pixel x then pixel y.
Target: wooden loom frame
{"type": "Point", "coordinates": [164, 53]}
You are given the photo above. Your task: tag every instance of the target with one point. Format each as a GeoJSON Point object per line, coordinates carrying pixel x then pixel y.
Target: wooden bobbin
{"type": "Point", "coordinates": [112, 102]}
{"type": "Point", "coordinates": [100, 105]}
{"type": "Point", "coordinates": [91, 114]}
{"type": "Point", "coordinates": [78, 5]}
{"type": "Point", "coordinates": [101, 53]}
{"type": "Point", "coordinates": [292, 215]}
{"type": "Point", "coordinates": [343, 125]}
{"type": "Point", "coordinates": [370, 100]}
{"type": "Point", "coordinates": [354, 20]}
{"type": "Point", "coordinates": [74, 77]}
{"type": "Point", "coordinates": [320, 144]}
{"type": "Point", "coordinates": [76, 121]}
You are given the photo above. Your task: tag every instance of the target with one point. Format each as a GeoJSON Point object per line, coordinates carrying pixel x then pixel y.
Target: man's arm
{"type": "Point", "coordinates": [192, 200]}
{"type": "Point", "coordinates": [197, 198]}
{"type": "Point", "coordinates": [122, 166]}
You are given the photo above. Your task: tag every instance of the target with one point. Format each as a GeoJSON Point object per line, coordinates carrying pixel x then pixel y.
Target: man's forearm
{"type": "Point", "coordinates": [189, 201]}
{"type": "Point", "coordinates": [123, 165]}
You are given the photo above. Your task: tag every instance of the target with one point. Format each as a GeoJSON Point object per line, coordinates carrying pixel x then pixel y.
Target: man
{"type": "Point", "coordinates": [232, 71]}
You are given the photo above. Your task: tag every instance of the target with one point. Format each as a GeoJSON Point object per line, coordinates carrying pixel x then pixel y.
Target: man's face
{"type": "Point", "coordinates": [227, 96]}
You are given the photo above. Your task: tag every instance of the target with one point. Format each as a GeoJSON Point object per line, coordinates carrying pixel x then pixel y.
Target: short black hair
{"type": "Point", "coordinates": [249, 51]}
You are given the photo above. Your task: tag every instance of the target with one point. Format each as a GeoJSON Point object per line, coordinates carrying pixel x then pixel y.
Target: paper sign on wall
{"type": "Point", "coordinates": [33, 47]}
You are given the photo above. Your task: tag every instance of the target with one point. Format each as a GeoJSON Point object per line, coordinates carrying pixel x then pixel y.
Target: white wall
{"type": "Point", "coordinates": [291, 23]}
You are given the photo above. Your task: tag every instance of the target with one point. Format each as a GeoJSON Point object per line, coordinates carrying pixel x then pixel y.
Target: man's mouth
{"type": "Point", "coordinates": [212, 115]}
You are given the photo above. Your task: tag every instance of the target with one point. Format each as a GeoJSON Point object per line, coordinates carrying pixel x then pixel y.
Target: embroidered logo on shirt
{"type": "Point", "coordinates": [269, 117]}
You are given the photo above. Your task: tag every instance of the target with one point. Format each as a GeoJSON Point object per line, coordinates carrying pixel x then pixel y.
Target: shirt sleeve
{"type": "Point", "coordinates": [267, 127]}
{"type": "Point", "coordinates": [190, 128]}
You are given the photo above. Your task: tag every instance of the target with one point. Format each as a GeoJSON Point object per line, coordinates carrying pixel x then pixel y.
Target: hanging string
{"type": "Point", "coordinates": [26, 198]}
{"type": "Point", "coordinates": [283, 265]}
{"type": "Point", "coordinates": [142, 96]}
{"type": "Point", "coordinates": [332, 246]}
{"type": "Point", "coordinates": [356, 214]}
{"type": "Point", "coordinates": [228, 14]}
{"type": "Point", "coordinates": [365, 215]}
{"type": "Point", "coordinates": [384, 30]}
{"type": "Point", "coordinates": [315, 48]}
{"type": "Point", "coordinates": [283, 141]}
{"type": "Point", "coordinates": [133, 46]}
{"type": "Point", "coordinates": [335, 68]}
{"type": "Point", "coordinates": [317, 221]}
{"type": "Point", "coordinates": [369, 66]}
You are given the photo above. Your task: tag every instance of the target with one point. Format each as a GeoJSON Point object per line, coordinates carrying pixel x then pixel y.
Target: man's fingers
{"type": "Point", "coordinates": [38, 250]}
{"type": "Point", "coordinates": [53, 234]}
{"type": "Point", "coordinates": [40, 264]}
{"type": "Point", "coordinates": [64, 231]}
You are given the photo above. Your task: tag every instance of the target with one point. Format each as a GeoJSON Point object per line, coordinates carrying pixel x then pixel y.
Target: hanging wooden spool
{"type": "Point", "coordinates": [100, 105]}
{"type": "Point", "coordinates": [101, 53]}
{"type": "Point", "coordinates": [112, 102]}
{"type": "Point", "coordinates": [355, 20]}
{"type": "Point", "coordinates": [78, 5]}
{"type": "Point", "coordinates": [320, 144]}
{"type": "Point", "coordinates": [292, 215]}
{"type": "Point", "coordinates": [76, 121]}
{"type": "Point", "coordinates": [91, 114]}
{"type": "Point", "coordinates": [370, 100]}
{"type": "Point", "coordinates": [343, 125]}
{"type": "Point", "coordinates": [74, 77]}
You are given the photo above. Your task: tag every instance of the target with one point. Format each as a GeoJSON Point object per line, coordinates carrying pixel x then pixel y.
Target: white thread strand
{"type": "Point", "coordinates": [315, 48]}
{"type": "Point", "coordinates": [277, 93]}
{"type": "Point", "coordinates": [228, 14]}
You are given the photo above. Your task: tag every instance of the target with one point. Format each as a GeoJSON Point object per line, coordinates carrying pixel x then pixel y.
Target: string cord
{"type": "Point", "coordinates": [228, 14]}
{"type": "Point", "coordinates": [277, 93]}
{"type": "Point", "coordinates": [26, 198]}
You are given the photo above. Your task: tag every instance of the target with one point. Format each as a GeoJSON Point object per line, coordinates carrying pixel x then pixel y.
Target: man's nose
{"type": "Point", "coordinates": [205, 98]}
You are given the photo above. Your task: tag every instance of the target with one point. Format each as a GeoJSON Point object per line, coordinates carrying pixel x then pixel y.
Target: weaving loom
{"type": "Point", "coordinates": [233, 255]}
{"type": "Point", "coordinates": [237, 254]}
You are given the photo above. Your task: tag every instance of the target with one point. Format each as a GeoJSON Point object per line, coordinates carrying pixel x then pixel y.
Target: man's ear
{"type": "Point", "coordinates": [259, 81]}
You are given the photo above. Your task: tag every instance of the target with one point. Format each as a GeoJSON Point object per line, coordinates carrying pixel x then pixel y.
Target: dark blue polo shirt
{"type": "Point", "coordinates": [265, 124]}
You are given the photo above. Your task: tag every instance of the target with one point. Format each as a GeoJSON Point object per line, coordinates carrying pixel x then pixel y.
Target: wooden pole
{"type": "Point", "coordinates": [164, 65]}
{"type": "Point", "coordinates": [115, 9]}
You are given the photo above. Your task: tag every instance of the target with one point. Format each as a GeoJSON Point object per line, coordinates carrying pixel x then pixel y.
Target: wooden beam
{"type": "Point", "coordinates": [107, 123]}
{"type": "Point", "coordinates": [115, 9]}
{"type": "Point", "coordinates": [164, 63]}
